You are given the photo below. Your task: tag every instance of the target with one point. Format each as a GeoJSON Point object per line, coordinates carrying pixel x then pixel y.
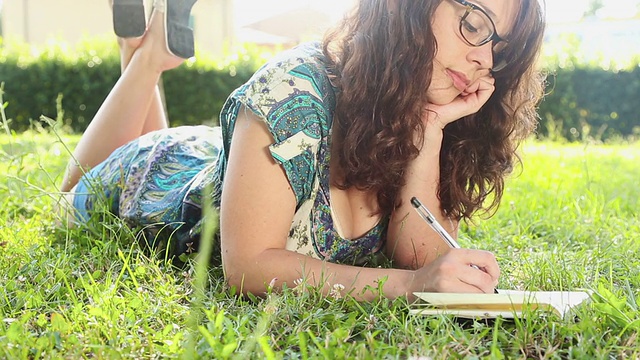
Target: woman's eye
{"type": "Point", "coordinates": [469, 27]}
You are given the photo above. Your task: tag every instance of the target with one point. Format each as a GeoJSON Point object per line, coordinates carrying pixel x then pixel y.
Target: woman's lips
{"type": "Point", "coordinates": [460, 80]}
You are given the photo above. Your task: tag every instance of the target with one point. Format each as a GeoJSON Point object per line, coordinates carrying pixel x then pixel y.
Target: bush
{"type": "Point", "coordinates": [33, 81]}
{"type": "Point", "coordinates": [589, 97]}
{"type": "Point", "coordinates": [82, 77]}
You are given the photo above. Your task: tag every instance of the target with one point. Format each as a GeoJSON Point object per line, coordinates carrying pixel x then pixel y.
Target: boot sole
{"type": "Point", "coordinates": [129, 19]}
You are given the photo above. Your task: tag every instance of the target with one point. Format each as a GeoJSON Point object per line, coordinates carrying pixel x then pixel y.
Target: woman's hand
{"type": "Point", "coordinates": [468, 102]}
{"type": "Point", "coordinates": [452, 272]}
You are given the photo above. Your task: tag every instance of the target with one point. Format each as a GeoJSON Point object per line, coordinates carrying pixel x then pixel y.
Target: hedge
{"type": "Point", "coordinates": [79, 79]}
{"type": "Point", "coordinates": [589, 96]}
{"type": "Point", "coordinates": [583, 99]}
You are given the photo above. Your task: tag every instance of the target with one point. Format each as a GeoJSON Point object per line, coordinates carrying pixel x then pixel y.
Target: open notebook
{"type": "Point", "coordinates": [507, 303]}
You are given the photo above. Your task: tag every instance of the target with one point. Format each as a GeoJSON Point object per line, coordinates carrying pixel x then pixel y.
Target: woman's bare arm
{"type": "Point", "coordinates": [256, 212]}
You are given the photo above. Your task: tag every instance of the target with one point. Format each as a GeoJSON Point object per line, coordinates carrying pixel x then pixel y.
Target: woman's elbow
{"type": "Point", "coordinates": [242, 277]}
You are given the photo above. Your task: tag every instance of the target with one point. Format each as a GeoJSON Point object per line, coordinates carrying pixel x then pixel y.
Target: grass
{"type": "Point", "coordinates": [568, 220]}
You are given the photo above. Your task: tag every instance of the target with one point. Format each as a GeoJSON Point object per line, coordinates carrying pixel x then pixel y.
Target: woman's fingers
{"type": "Point", "coordinates": [477, 94]}
{"type": "Point", "coordinates": [469, 102]}
{"type": "Point", "coordinates": [483, 260]}
{"type": "Point", "coordinates": [485, 87]}
{"type": "Point", "coordinates": [477, 269]}
{"type": "Point", "coordinates": [461, 270]}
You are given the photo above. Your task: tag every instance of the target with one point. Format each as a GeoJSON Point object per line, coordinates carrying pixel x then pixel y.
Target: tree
{"type": "Point", "coordinates": [594, 6]}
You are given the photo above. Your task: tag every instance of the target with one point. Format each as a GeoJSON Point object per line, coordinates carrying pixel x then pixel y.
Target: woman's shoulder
{"type": "Point", "coordinates": [306, 55]}
{"type": "Point", "coordinates": [294, 84]}
{"type": "Point", "coordinates": [303, 67]}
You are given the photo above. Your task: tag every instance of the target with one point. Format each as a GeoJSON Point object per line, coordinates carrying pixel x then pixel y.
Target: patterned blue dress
{"type": "Point", "coordinates": [158, 181]}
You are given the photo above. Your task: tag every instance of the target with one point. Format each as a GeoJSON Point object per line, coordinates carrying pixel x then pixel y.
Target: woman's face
{"type": "Point", "coordinates": [458, 64]}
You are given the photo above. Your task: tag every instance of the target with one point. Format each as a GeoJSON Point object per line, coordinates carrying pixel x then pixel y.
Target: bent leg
{"type": "Point", "coordinates": [123, 115]}
{"type": "Point", "coordinates": [156, 116]}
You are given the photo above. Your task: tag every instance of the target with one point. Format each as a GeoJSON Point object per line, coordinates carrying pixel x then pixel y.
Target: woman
{"type": "Point", "coordinates": [322, 150]}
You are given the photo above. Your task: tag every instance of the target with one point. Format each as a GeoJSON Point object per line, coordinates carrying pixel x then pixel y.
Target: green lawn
{"type": "Point", "coordinates": [568, 220]}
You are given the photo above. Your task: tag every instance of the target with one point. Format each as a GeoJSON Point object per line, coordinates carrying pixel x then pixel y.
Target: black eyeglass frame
{"type": "Point", "coordinates": [494, 37]}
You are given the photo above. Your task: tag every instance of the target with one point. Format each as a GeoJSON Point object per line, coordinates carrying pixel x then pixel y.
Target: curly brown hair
{"type": "Point", "coordinates": [378, 57]}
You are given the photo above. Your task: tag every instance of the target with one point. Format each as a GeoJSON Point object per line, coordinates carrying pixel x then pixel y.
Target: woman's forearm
{"type": "Point", "coordinates": [412, 243]}
{"type": "Point", "coordinates": [279, 266]}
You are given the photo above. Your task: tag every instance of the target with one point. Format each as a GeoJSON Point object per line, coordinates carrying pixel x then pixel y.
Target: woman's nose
{"type": "Point", "coordinates": [482, 55]}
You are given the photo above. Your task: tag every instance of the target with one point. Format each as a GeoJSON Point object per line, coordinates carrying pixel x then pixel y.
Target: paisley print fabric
{"type": "Point", "coordinates": [159, 179]}
{"type": "Point", "coordinates": [154, 179]}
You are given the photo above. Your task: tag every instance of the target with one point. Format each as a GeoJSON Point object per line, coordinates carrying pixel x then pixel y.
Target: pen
{"type": "Point", "coordinates": [426, 215]}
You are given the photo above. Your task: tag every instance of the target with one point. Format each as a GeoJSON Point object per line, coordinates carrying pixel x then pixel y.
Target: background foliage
{"type": "Point", "coordinates": [585, 98]}
{"type": "Point", "coordinates": [589, 97]}
{"type": "Point", "coordinates": [81, 78]}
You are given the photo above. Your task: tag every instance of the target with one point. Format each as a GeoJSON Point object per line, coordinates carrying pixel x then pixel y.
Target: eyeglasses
{"type": "Point", "coordinates": [477, 29]}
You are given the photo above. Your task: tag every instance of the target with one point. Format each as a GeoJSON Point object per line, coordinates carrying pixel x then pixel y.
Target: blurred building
{"type": "Point", "coordinates": [39, 21]}
{"type": "Point", "coordinates": [288, 27]}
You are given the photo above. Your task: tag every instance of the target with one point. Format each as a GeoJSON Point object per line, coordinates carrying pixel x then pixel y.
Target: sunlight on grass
{"type": "Point", "coordinates": [569, 220]}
